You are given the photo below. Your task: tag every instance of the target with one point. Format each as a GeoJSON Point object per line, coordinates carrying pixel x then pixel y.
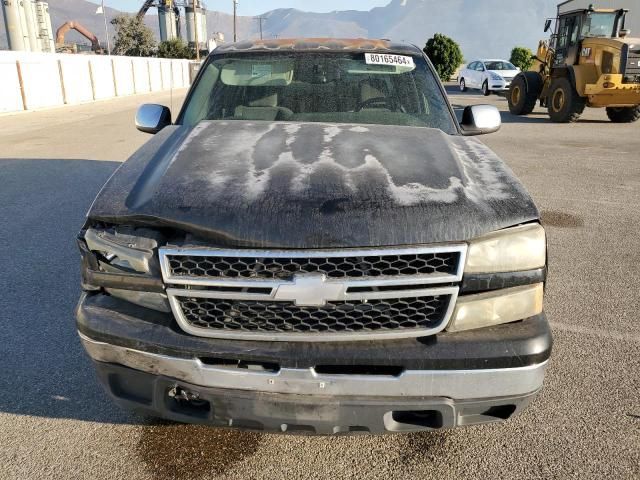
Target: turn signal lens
{"type": "Point", "coordinates": [497, 307]}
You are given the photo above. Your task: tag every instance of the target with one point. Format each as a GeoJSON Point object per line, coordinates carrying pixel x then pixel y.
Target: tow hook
{"type": "Point", "coordinates": [180, 394]}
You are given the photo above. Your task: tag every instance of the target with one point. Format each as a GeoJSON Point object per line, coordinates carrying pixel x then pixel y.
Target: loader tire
{"type": "Point", "coordinates": [564, 103]}
{"type": "Point", "coordinates": [624, 114]}
{"type": "Point", "coordinates": [524, 92]}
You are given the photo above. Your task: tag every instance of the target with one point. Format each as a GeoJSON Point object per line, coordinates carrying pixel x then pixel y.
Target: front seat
{"type": "Point", "coordinates": [370, 91]}
{"type": "Point", "coordinates": [265, 108]}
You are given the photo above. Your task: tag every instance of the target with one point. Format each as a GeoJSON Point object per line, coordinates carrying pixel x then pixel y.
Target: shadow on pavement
{"type": "Point", "coordinates": [44, 369]}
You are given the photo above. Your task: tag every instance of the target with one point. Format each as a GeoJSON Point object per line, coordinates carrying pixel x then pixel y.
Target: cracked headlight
{"type": "Point", "coordinates": [124, 264]}
{"type": "Point", "coordinates": [512, 250]}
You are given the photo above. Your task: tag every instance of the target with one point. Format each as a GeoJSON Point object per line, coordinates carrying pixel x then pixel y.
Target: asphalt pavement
{"type": "Point", "coordinates": [56, 423]}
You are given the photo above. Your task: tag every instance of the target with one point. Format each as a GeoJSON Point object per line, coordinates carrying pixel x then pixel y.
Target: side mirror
{"type": "Point", "coordinates": [547, 25]}
{"type": "Point", "coordinates": [625, 32]}
{"type": "Point", "coordinates": [152, 118]}
{"type": "Point", "coordinates": [480, 120]}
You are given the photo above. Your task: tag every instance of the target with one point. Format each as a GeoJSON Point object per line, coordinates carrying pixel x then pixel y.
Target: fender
{"type": "Point", "coordinates": [580, 75]}
{"type": "Point", "coordinates": [529, 77]}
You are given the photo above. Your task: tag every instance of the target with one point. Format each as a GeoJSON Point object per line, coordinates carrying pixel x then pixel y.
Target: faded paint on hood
{"type": "Point", "coordinates": [310, 185]}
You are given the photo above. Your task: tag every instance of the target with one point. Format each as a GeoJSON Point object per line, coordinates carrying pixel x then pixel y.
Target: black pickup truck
{"type": "Point", "coordinates": [316, 245]}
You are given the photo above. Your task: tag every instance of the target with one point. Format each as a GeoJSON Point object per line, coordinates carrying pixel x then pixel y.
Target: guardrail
{"type": "Point", "coordinates": [32, 81]}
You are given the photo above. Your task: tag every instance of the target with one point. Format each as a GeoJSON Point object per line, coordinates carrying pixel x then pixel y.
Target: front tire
{"type": "Point", "coordinates": [524, 92]}
{"type": "Point", "coordinates": [463, 85]}
{"type": "Point", "coordinates": [624, 114]}
{"type": "Point", "coordinates": [485, 89]}
{"type": "Point", "coordinates": [564, 103]}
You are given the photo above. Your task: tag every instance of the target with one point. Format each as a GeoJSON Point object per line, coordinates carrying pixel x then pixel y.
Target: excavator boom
{"type": "Point", "coordinates": [73, 25]}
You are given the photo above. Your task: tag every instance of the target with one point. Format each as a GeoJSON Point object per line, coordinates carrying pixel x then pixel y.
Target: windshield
{"type": "Point", "coordinates": [320, 87]}
{"type": "Point", "coordinates": [500, 65]}
{"type": "Point", "coordinates": [599, 25]}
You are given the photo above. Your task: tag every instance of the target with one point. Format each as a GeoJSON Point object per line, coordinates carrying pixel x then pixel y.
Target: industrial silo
{"type": "Point", "coordinates": [167, 19]}
{"type": "Point", "coordinates": [29, 9]}
{"type": "Point", "coordinates": [18, 39]}
{"type": "Point", "coordinates": [198, 26]}
{"type": "Point", "coordinates": [44, 28]}
{"type": "Point", "coordinates": [28, 25]}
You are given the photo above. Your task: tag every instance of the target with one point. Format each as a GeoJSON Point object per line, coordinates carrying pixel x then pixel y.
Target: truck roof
{"type": "Point", "coordinates": [320, 45]}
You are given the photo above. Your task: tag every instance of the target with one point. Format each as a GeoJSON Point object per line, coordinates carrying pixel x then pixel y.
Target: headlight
{"type": "Point", "coordinates": [124, 265]}
{"type": "Point", "coordinates": [125, 253]}
{"type": "Point", "coordinates": [495, 76]}
{"type": "Point", "coordinates": [496, 308]}
{"type": "Point", "coordinates": [513, 250]}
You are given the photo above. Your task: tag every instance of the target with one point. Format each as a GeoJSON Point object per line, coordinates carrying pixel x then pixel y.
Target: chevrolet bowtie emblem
{"type": "Point", "coordinates": [311, 291]}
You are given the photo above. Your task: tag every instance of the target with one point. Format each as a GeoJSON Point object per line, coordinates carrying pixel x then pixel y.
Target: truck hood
{"type": "Point", "coordinates": [311, 185]}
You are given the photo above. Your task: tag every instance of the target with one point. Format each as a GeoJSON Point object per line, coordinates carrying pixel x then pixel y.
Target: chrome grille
{"type": "Point", "coordinates": [286, 317]}
{"type": "Point", "coordinates": [269, 268]}
{"type": "Point", "coordinates": [313, 295]}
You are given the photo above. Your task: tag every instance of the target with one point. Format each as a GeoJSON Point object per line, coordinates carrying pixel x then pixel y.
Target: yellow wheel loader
{"type": "Point", "coordinates": [590, 61]}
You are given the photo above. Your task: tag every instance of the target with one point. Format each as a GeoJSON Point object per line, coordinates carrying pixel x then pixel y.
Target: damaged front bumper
{"type": "Point", "coordinates": [149, 366]}
{"type": "Point", "coordinates": [166, 397]}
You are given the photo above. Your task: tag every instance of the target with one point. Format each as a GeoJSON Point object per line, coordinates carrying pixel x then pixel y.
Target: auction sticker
{"type": "Point", "coordinates": [386, 59]}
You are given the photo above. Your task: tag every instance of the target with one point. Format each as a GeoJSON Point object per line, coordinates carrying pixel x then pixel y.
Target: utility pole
{"type": "Point", "coordinates": [235, 20]}
{"type": "Point", "coordinates": [195, 29]}
{"type": "Point", "coordinates": [261, 19]}
{"type": "Point", "coordinates": [106, 29]}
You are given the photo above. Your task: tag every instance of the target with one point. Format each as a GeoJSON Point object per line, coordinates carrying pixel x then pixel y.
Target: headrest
{"type": "Point", "coordinates": [368, 92]}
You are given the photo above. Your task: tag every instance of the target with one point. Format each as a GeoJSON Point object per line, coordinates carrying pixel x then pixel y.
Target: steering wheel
{"type": "Point", "coordinates": [375, 102]}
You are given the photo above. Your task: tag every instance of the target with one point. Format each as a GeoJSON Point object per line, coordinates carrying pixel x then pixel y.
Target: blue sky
{"type": "Point", "coordinates": [254, 7]}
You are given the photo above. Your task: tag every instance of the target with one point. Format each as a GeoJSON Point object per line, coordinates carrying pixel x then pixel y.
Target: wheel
{"type": "Point", "coordinates": [485, 89]}
{"type": "Point", "coordinates": [463, 85]}
{"type": "Point", "coordinates": [564, 103]}
{"type": "Point", "coordinates": [524, 92]}
{"type": "Point", "coordinates": [624, 114]}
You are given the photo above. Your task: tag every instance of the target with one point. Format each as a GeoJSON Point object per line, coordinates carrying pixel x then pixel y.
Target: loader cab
{"type": "Point", "coordinates": [574, 27]}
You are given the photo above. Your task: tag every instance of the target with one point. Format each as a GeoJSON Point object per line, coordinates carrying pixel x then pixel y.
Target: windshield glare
{"type": "Point", "coordinates": [599, 25]}
{"type": "Point", "coordinates": [500, 66]}
{"type": "Point", "coordinates": [319, 87]}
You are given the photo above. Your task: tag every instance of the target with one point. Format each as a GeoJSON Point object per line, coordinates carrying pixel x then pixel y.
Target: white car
{"type": "Point", "coordinates": [488, 76]}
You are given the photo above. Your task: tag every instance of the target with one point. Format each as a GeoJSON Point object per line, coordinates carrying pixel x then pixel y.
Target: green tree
{"type": "Point", "coordinates": [133, 37]}
{"type": "Point", "coordinates": [445, 54]}
{"type": "Point", "coordinates": [522, 58]}
{"type": "Point", "coordinates": [175, 48]}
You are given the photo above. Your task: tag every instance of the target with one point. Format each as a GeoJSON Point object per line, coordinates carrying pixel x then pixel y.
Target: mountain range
{"type": "Point", "coordinates": [483, 28]}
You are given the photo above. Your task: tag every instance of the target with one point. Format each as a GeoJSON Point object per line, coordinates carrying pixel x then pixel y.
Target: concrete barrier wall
{"type": "Point", "coordinates": [165, 74]}
{"type": "Point", "coordinates": [31, 81]}
{"type": "Point", "coordinates": [41, 81]}
{"type": "Point", "coordinates": [123, 76]}
{"type": "Point", "coordinates": [155, 75]}
{"type": "Point", "coordinates": [102, 77]}
{"type": "Point", "coordinates": [10, 95]}
{"type": "Point", "coordinates": [76, 79]}
{"type": "Point", "coordinates": [141, 75]}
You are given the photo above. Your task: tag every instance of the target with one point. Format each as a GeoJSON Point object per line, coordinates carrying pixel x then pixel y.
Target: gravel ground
{"type": "Point", "coordinates": [57, 423]}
